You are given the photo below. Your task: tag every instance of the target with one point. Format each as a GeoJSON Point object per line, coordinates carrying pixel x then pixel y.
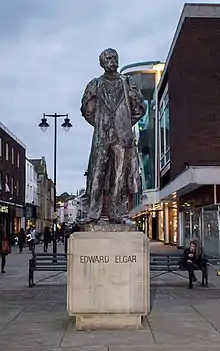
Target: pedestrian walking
{"type": "Point", "coordinates": [33, 238]}
{"type": "Point", "coordinates": [21, 240]}
{"type": "Point", "coordinates": [47, 238]}
{"type": "Point", "coordinates": [5, 248]}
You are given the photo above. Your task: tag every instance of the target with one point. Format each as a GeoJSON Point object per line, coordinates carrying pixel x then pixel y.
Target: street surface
{"type": "Point", "coordinates": [36, 319]}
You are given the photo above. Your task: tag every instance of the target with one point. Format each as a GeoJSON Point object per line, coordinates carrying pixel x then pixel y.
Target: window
{"type": "Point", "coordinates": [0, 147]}
{"type": "Point", "coordinates": [7, 187]}
{"type": "Point", "coordinates": [0, 180]}
{"type": "Point", "coordinates": [17, 188]}
{"type": "Point", "coordinates": [164, 121]}
{"type": "Point", "coordinates": [12, 185]}
{"type": "Point", "coordinates": [18, 160]}
{"type": "Point", "coordinates": [6, 152]}
{"type": "Point", "coordinates": [12, 156]}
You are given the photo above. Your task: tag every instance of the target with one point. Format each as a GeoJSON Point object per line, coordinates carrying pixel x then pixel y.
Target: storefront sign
{"type": "Point", "coordinates": [3, 209]}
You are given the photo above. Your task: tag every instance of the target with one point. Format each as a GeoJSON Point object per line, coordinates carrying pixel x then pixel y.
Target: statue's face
{"type": "Point", "coordinates": [110, 61]}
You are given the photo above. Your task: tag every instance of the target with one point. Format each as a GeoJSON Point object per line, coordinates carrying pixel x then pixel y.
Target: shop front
{"type": "Point", "coordinates": [11, 217]}
{"type": "Point", "coordinates": [200, 219]}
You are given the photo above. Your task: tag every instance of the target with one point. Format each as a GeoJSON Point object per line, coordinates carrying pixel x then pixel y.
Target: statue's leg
{"type": "Point", "coordinates": [98, 183]}
{"type": "Point", "coordinates": [117, 183]}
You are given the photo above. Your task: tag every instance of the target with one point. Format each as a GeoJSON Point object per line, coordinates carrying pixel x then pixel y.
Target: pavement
{"type": "Point", "coordinates": [36, 319]}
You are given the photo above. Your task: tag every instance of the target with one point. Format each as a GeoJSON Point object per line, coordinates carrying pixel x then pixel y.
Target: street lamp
{"type": "Point", "coordinates": [66, 126]}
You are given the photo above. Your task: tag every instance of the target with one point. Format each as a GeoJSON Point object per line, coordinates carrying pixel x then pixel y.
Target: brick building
{"type": "Point", "coordinates": [12, 180]}
{"type": "Point", "coordinates": [187, 104]}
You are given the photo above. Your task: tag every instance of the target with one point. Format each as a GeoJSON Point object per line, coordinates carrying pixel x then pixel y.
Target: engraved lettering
{"type": "Point", "coordinates": [126, 259]}
{"type": "Point", "coordinates": [94, 259]}
{"type": "Point", "coordinates": [106, 259]}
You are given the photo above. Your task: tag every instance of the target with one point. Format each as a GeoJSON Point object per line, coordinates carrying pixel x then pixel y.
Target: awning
{"type": "Point", "coordinates": [137, 210]}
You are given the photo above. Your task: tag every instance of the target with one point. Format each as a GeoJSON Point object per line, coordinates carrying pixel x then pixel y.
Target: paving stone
{"type": "Point", "coordinates": [36, 319]}
{"type": "Point", "coordinates": [104, 338]}
{"type": "Point", "coordinates": [163, 348]}
{"type": "Point", "coordinates": [184, 333]}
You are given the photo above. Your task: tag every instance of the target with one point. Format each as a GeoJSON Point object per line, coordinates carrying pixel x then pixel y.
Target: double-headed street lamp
{"type": "Point", "coordinates": [66, 126]}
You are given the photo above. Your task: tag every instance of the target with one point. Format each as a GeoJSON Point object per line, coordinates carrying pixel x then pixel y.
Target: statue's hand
{"type": "Point", "coordinates": [132, 94]}
{"type": "Point", "coordinates": [90, 106]}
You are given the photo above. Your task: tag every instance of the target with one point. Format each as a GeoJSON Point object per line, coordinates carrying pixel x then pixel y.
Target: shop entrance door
{"type": "Point", "coordinates": [155, 228]}
{"type": "Point", "coordinates": [192, 226]}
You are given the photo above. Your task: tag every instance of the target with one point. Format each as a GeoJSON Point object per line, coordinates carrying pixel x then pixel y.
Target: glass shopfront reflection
{"type": "Point", "coordinates": [204, 225]}
{"type": "Point", "coordinates": [211, 232]}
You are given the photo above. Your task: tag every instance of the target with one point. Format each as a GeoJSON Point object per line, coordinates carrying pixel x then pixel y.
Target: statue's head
{"type": "Point", "coordinates": [109, 60]}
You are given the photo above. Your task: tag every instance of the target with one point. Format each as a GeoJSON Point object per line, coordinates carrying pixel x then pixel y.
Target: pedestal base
{"type": "Point", "coordinates": [108, 279]}
{"type": "Point", "coordinates": [108, 321]}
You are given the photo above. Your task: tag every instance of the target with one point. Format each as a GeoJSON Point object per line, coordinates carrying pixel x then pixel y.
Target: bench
{"type": "Point", "coordinates": [170, 263]}
{"type": "Point", "coordinates": [46, 262]}
{"type": "Point", "coordinates": [159, 263]}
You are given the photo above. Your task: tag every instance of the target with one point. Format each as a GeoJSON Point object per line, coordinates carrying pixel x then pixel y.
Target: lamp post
{"type": "Point", "coordinates": [66, 126]}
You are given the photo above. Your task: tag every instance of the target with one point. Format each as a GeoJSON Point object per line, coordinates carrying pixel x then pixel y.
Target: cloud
{"type": "Point", "coordinates": [49, 52]}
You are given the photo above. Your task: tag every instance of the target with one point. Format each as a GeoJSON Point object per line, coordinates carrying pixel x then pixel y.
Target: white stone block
{"type": "Point", "coordinates": [108, 279]}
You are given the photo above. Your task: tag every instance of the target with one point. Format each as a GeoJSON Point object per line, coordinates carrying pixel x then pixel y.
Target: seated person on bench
{"type": "Point", "coordinates": [191, 259]}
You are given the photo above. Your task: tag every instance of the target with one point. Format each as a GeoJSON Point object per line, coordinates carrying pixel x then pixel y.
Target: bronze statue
{"type": "Point", "coordinates": [112, 104]}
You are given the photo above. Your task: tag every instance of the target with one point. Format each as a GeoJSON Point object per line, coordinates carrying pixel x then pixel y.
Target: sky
{"type": "Point", "coordinates": [49, 51]}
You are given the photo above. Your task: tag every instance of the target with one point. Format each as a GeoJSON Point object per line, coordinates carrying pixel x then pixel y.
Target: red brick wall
{"type": "Point", "coordinates": [194, 90]}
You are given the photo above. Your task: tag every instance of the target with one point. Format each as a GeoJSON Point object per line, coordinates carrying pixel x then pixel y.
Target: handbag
{"type": "Point", "coordinates": [6, 249]}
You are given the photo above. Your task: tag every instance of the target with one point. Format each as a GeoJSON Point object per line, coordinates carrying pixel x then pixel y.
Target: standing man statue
{"type": "Point", "coordinates": [112, 104]}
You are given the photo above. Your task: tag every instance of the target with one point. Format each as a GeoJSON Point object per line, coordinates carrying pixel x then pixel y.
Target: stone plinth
{"type": "Point", "coordinates": [108, 279]}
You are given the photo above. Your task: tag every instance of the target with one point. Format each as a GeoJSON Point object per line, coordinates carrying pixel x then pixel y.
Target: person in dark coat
{"type": "Point", "coordinates": [47, 238]}
{"type": "Point", "coordinates": [3, 255]}
{"type": "Point", "coordinates": [192, 258]}
{"type": "Point", "coordinates": [21, 240]}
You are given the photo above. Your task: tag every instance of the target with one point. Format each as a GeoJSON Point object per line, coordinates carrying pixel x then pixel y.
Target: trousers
{"type": "Point", "coordinates": [3, 262]}
{"type": "Point", "coordinates": [112, 157]}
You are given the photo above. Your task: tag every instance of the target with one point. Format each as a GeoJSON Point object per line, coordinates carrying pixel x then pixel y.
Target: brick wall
{"type": "Point", "coordinates": [194, 89]}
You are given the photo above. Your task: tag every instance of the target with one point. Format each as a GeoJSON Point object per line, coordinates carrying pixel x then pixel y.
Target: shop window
{"type": "Point", "coordinates": [164, 122]}
{"type": "Point", "coordinates": [6, 151]}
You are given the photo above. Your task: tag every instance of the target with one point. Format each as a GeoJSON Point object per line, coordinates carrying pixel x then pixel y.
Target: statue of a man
{"type": "Point", "coordinates": [112, 104]}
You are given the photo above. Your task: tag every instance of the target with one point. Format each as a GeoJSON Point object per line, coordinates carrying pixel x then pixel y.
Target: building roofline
{"type": "Point", "coordinates": [137, 64]}
{"type": "Point", "coordinates": [190, 10]}
{"type": "Point", "coordinates": [12, 135]}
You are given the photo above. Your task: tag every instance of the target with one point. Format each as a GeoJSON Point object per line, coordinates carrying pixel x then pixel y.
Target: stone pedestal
{"type": "Point", "coordinates": [108, 279]}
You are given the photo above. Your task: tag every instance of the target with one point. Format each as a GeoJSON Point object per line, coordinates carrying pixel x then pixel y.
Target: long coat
{"type": "Point", "coordinates": [127, 112]}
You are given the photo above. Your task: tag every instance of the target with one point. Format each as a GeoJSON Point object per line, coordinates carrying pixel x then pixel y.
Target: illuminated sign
{"type": "Point", "coordinates": [3, 209]}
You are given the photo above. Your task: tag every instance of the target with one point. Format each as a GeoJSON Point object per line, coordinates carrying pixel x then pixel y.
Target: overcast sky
{"type": "Point", "coordinates": [49, 52]}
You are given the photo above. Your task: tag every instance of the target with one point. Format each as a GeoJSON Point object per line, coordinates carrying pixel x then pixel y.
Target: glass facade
{"type": "Point", "coordinates": [146, 130]}
{"type": "Point", "coordinates": [164, 122]}
{"type": "Point", "coordinates": [203, 224]}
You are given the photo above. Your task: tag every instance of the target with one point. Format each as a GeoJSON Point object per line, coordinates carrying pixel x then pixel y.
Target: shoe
{"type": "Point", "coordinates": [3, 271]}
{"type": "Point", "coordinates": [190, 286]}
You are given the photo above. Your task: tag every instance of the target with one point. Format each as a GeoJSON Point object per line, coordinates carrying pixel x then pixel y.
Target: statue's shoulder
{"type": "Point", "coordinates": [93, 82]}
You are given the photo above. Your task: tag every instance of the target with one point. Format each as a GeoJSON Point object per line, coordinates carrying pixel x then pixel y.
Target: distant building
{"type": "Point", "coordinates": [71, 208]}
{"type": "Point", "coordinates": [12, 180]}
{"type": "Point", "coordinates": [31, 195]}
{"type": "Point", "coordinates": [45, 191]}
